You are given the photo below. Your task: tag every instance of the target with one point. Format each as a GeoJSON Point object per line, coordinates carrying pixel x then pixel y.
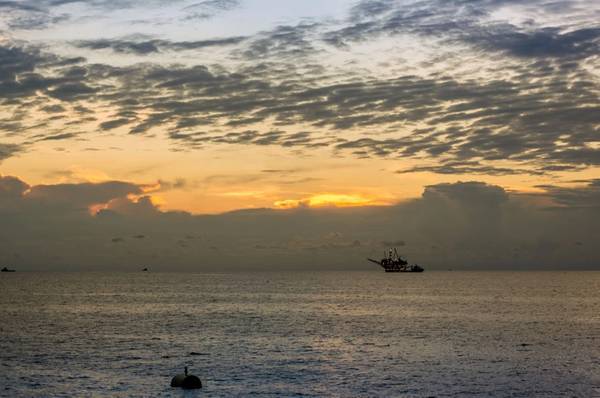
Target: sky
{"type": "Point", "coordinates": [264, 134]}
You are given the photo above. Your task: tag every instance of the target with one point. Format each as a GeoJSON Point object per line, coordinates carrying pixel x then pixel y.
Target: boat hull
{"type": "Point", "coordinates": [396, 265]}
{"type": "Point", "coordinates": [394, 270]}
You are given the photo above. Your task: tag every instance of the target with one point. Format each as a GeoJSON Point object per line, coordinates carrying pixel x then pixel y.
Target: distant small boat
{"type": "Point", "coordinates": [145, 270]}
{"type": "Point", "coordinates": [394, 263]}
{"type": "Point", "coordinates": [6, 270]}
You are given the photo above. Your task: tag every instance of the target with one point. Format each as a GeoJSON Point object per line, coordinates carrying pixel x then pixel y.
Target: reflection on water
{"type": "Point", "coordinates": [312, 334]}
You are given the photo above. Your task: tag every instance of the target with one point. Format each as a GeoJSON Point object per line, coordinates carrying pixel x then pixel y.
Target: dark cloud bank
{"type": "Point", "coordinates": [465, 225]}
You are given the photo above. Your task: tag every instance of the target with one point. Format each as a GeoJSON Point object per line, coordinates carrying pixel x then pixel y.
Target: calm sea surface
{"type": "Point", "coordinates": [442, 334]}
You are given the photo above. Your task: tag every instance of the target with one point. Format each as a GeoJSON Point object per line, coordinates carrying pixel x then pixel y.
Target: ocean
{"type": "Point", "coordinates": [317, 334]}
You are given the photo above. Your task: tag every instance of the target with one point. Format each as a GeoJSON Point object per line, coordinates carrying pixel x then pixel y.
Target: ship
{"type": "Point", "coordinates": [393, 262]}
{"type": "Point", "coordinates": [6, 270]}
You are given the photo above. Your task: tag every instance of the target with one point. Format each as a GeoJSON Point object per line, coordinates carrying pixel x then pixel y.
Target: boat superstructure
{"type": "Point", "coordinates": [393, 262]}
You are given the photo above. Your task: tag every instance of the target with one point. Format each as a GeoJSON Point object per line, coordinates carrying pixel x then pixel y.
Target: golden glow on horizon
{"type": "Point", "coordinates": [158, 200]}
{"type": "Point", "coordinates": [242, 194]}
{"type": "Point", "coordinates": [329, 199]}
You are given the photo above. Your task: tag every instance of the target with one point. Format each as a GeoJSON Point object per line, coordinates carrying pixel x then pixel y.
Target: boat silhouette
{"type": "Point", "coordinates": [393, 262]}
{"type": "Point", "coordinates": [6, 270]}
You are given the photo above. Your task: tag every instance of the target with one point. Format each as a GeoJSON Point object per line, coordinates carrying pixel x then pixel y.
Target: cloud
{"type": "Point", "coordinates": [474, 167]}
{"type": "Point", "coordinates": [155, 46]}
{"type": "Point", "coordinates": [59, 137]}
{"type": "Point", "coordinates": [113, 124]}
{"type": "Point", "coordinates": [20, 81]}
{"type": "Point", "coordinates": [17, 61]}
{"type": "Point", "coordinates": [210, 8]}
{"type": "Point", "coordinates": [214, 5]}
{"type": "Point", "coordinates": [463, 123]}
{"type": "Point", "coordinates": [470, 193]}
{"type": "Point", "coordinates": [71, 91]}
{"type": "Point", "coordinates": [544, 42]}
{"type": "Point", "coordinates": [472, 23]}
{"type": "Point", "coordinates": [538, 108]}
{"type": "Point", "coordinates": [178, 183]}
{"type": "Point", "coordinates": [458, 225]}
{"type": "Point", "coordinates": [41, 14]}
{"type": "Point", "coordinates": [29, 15]}
{"type": "Point", "coordinates": [81, 196]}
{"type": "Point", "coordinates": [282, 42]}
{"type": "Point", "coordinates": [370, 8]}
{"type": "Point", "coordinates": [120, 46]}
{"type": "Point", "coordinates": [9, 150]}
{"type": "Point", "coordinates": [11, 188]}
{"type": "Point", "coordinates": [586, 196]}
{"type": "Point", "coordinates": [249, 137]}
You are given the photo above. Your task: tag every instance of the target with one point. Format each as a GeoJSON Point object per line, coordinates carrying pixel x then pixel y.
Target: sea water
{"type": "Point", "coordinates": [331, 334]}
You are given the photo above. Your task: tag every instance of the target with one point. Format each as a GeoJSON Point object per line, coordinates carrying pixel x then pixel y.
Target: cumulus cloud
{"type": "Point", "coordinates": [460, 225]}
{"type": "Point", "coordinates": [11, 188]}
{"type": "Point", "coordinates": [81, 196]}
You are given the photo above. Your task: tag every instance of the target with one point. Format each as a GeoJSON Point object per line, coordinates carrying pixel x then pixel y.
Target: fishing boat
{"type": "Point", "coordinates": [393, 262]}
{"type": "Point", "coordinates": [6, 270]}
